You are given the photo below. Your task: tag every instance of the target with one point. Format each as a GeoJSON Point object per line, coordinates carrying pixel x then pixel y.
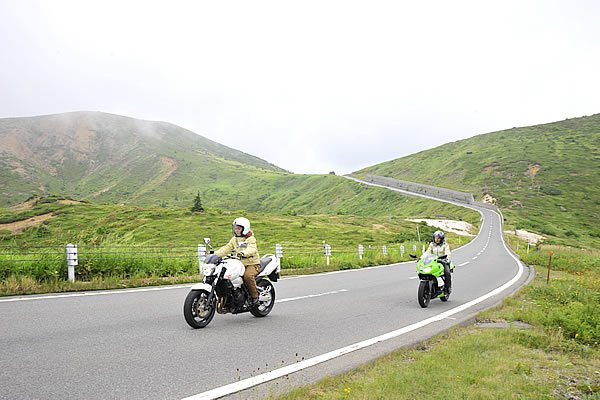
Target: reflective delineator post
{"type": "Point", "coordinates": [549, 266]}
{"type": "Point", "coordinates": [201, 256]}
{"type": "Point", "coordinates": [278, 251]}
{"type": "Point", "coordinates": [402, 250]}
{"type": "Point", "coordinates": [384, 250]}
{"type": "Point", "coordinates": [327, 252]}
{"type": "Point", "coordinates": [361, 251]}
{"type": "Point", "coordinates": [71, 261]}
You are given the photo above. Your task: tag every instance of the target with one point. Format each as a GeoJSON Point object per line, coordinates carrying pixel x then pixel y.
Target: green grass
{"type": "Point", "coordinates": [128, 243]}
{"type": "Point", "coordinates": [561, 200]}
{"type": "Point", "coordinates": [558, 357]}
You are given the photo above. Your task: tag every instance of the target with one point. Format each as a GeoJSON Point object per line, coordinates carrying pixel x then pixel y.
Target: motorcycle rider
{"type": "Point", "coordinates": [439, 247]}
{"type": "Point", "coordinates": [243, 245]}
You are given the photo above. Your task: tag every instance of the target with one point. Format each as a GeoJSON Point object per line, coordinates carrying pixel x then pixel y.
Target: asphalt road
{"type": "Point", "coordinates": [135, 344]}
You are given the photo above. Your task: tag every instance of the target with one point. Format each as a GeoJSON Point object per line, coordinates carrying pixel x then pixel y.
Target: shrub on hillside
{"type": "Point", "coordinates": [551, 191]}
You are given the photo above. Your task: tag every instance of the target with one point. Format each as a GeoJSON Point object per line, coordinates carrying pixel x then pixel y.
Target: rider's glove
{"type": "Point", "coordinates": [240, 254]}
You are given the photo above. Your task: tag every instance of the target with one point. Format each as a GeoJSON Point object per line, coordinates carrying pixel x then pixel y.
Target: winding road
{"type": "Point", "coordinates": [135, 343]}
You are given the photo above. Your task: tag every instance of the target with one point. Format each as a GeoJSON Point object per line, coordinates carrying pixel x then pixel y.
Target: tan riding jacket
{"type": "Point", "coordinates": [249, 254]}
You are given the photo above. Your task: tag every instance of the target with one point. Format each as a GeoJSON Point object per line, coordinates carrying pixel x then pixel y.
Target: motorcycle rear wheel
{"type": "Point", "coordinates": [424, 293]}
{"type": "Point", "coordinates": [193, 309]}
{"type": "Point", "coordinates": [264, 307]}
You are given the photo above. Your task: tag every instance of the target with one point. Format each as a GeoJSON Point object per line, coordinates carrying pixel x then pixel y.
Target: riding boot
{"type": "Point", "coordinates": [447, 279]}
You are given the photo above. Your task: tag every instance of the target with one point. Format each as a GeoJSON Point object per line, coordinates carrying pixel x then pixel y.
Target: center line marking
{"type": "Point", "coordinates": [311, 295]}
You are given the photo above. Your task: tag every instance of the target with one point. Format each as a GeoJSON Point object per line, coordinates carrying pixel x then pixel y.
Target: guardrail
{"type": "Point", "coordinates": [419, 188]}
{"type": "Point", "coordinates": [86, 262]}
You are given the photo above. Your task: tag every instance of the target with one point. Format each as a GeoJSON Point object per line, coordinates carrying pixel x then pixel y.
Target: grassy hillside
{"type": "Point", "coordinates": [545, 178]}
{"type": "Point", "coordinates": [127, 245]}
{"type": "Point", "coordinates": [97, 224]}
{"type": "Point", "coordinates": [111, 158]}
{"type": "Point", "coordinates": [106, 158]}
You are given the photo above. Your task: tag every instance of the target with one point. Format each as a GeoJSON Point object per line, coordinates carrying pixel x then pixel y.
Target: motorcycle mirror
{"type": "Point", "coordinates": [207, 240]}
{"type": "Point", "coordinates": [412, 255]}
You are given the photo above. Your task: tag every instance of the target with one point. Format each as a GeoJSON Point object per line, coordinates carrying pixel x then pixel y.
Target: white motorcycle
{"type": "Point", "coordinates": [223, 290]}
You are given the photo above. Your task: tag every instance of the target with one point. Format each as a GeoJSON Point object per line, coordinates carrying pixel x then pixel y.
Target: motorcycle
{"type": "Point", "coordinates": [431, 274]}
{"type": "Point", "coordinates": [223, 290]}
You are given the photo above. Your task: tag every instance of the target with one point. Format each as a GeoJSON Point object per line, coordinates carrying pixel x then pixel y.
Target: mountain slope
{"type": "Point", "coordinates": [545, 178]}
{"type": "Point", "coordinates": [108, 157]}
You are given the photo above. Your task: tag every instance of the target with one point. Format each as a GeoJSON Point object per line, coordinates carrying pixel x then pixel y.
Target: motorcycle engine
{"type": "Point", "coordinates": [238, 298]}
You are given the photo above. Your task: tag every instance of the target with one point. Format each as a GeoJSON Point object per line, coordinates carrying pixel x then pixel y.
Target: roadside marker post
{"type": "Point", "coordinates": [71, 261]}
{"type": "Point", "coordinates": [201, 256]}
{"type": "Point", "coordinates": [549, 266]}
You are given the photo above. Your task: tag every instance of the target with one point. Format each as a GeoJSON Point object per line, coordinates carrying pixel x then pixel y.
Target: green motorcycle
{"type": "Point", "coordinates": [431, 273]}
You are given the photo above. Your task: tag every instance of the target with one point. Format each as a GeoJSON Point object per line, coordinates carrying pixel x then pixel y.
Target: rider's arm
{"type": "Point", "coordinates": [447, 250]}
{"type": "Point", "coordinates": [430, 248]}
{"type": "Point", "coordinates": [251, 248]}
{"type": "Point", "coordinates": [227, 249]}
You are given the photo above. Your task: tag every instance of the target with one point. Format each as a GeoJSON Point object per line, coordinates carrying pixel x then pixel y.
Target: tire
{"type": "Point", "coordinates": [424, 293]}
{"type": "Point", "coordinates": [264, 307]}
{"type": "Point", "coordinates": [193, 311]}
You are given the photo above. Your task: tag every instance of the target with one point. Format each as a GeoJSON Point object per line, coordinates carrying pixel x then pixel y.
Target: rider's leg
{"type": "Point", "coordinates": [250, 281]}
{"type": "Point", "coordinates": [447, 278]}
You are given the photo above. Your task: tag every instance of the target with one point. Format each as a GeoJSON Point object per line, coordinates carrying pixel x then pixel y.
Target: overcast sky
{"type": "Point", "coordinates": [311, 86]}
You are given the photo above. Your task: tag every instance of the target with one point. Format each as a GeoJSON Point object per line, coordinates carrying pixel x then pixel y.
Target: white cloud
{"type": "Point", "coordinates": [311, 86]}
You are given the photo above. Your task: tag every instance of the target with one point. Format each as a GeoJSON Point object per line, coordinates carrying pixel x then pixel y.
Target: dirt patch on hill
{"type": "Point", "coordinates": [489, 169]}
{"type": "Point", "coordinates": [488, 199]}
{"type": "Point", "coordinates": [461, 228]}
{"type": "Point", "coordinates": [533, 170]}
{"type": "Point", "coordinates": [26, 205]}
{"type": "Point", "coordinates": [378, 226]}
{"type": "Point", "coordinates": [20, 226]}
{"type": "Point", "coordinates": [168, 167]}
{"type": "Point", "coordinates": [530, 237]}
{"type": "Point", "coordinates": [69, 202]}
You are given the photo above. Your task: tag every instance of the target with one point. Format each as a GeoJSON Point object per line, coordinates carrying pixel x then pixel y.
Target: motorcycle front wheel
{"type": "Point", "coordinates": [193, 309]}
{"type": "Point", "coordinates": [266, 295]}
{"type": "Point", "coordinates": [424, 293]}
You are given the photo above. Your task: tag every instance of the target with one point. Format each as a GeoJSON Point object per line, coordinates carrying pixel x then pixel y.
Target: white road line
{"type": "Point", "coordinates": [120, 291]}
{"type": "Point", "coordinates": [278, 373]}
{"type": "Point", "coordinates": [310, 295]}
{"type": "Point", "coordinates": [465, 263]}
{"type": "Point", "coordinates": [414, 277]}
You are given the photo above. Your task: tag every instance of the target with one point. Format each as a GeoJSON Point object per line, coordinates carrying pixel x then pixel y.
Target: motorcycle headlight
{"type": "Point", "coordinates": [426, 270]}
{"type": "Point", "coordinates": [208, 269]}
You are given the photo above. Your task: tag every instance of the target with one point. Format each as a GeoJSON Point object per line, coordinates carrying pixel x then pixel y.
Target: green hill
{"type": "Point", "coordinates": [544, 178]}
{"type": "Point", "coordinates": [105, 158]}
{"type": "Point", "coordinates": [111, 158]}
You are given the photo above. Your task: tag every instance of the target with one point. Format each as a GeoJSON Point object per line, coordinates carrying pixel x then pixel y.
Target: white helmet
{"type": "Point", "coordinates": [243, 222]}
